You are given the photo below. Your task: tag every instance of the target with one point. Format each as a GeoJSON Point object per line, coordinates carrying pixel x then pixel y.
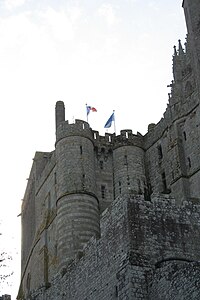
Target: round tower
{"type": "Point", "coordinates": [77, 204]}
{"type": "Point", "coordinates": [128, 164]}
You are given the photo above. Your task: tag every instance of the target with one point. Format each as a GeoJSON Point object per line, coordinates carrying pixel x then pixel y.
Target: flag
{"type": "Point", "coordinates": [90, 108]}
{"type": "Point", "coordinates": [109, 122]}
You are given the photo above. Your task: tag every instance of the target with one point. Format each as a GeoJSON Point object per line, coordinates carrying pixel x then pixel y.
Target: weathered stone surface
{"type": "Point", "coordinates": [118, 217]}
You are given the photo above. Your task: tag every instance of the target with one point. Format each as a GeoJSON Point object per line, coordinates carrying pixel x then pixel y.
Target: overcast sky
{"type": "Point", "coordinates": [110, 54]}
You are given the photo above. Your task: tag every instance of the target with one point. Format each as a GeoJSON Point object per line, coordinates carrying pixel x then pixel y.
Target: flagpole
{"type": "Point", "coordinates": [114, 122]}
{"type": "Point", "coordinates": [86, 112]}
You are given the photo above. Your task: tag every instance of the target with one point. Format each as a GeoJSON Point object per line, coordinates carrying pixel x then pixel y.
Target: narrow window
{"type": "Point", "coordinates": [55, 249]}
{"type": "Point", "coordinates": [83, 181]}
{"type": "Point", "coordinates": [120, 190]}
{"type": "Point", "coordinates": [164, 182]}
{"type": "Point", "coordinates": [184, 135]}
{"type": "Point", "coordinates": [189, 162]}
{"type": "Point", "coordinates": [125, 160]}
{"type": "Point", "coordinates": [128, 180]}
{"type": "Point", "coordinates": [103, 189]}
{"type": "Point", "coordinates": [101, 165]}
{"type": "Point", "coordinates": [81, 150]}
{"type": "Point", "coordinates": [160, 153]}
{"type": "Point", "coordinates": [55, 178]}
{"type": "Point", "coordinates": [116, 291]}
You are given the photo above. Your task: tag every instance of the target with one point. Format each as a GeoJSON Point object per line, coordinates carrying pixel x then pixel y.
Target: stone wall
{"type": "Point", "coordinates": [147, 246]}
{"type": "Point", "coordinates": [176, 280]}
{"type": "Point", "coordinates": [147, 250]}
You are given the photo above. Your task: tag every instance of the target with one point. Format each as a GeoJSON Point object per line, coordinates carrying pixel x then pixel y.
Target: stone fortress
{"type": "Point", "coordinates": [118, 216]}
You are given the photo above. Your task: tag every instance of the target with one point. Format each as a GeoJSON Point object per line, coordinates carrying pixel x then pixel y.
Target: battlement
{"type": "Point", "coordinates": [127, 138]}
{"type": "Point", "coordinates": [82, 128]}
{"type": "Point", "coordinates": [78, 128]}
{"type": "Point", "coordinates": [99, 139]}
{"type": "Point", "coordinates": [117, 216]}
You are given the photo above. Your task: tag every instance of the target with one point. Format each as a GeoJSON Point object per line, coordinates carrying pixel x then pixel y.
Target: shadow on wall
{"type": "Point", "coordinates": [175, 280]}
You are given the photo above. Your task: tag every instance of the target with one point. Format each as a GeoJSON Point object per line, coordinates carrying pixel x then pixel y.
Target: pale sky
{"type": "Point", "coordinates": [110, 54]}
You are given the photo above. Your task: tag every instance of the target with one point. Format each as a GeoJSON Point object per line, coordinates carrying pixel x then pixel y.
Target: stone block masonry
{"type": "Point", "coordinates": [118, 216]}
{"type": "Point", "coordinates": [148, 250]}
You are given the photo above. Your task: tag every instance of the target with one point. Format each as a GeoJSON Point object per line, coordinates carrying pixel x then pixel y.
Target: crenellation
{"type": "Point", "coordinates": [126, 137]}
{"type": "Point", "coordinates": [118, 216]}
{"type": "Point", "coordinates": [79, 128]}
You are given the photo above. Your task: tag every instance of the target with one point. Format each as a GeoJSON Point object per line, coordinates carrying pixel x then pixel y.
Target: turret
{"type": "Point", "coordinates": [180, 50]}
{"type": "Point", "coordinates": [77, 203]}
{"type": "Point", "coordinates": [128, 164]}
{"type": "Point", "coordinates": [179, 62]}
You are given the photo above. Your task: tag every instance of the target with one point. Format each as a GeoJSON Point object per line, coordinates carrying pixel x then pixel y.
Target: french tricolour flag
{"type": "Point", "coordinates": [90, 108]}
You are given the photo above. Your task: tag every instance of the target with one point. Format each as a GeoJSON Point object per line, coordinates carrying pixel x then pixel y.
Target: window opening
{"type": "Point", "coordinates": [103, 189]}
{"type": "Point", "coordinates": [101, 165]}
{"type": "Point", "coordinates": [125, 160]}
{"type": "Point", "coordinates": [189, 162]}
{"type": "Point", "coordinates": [128, 180]}
{"type": "Point", "coordinates": [184, 134]}
{"type": "Point", "coordinates": [164, 181]}
{"type": "Point", "coordinates": [160, 153]}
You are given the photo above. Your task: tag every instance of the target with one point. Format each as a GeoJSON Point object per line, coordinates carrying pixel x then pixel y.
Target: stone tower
{"type": "Point", "coordinates": [117, 216]}
{"type": "Point", "coordinates": [128, 164]}
{"type": "Point", "coordinates": [77, 203]}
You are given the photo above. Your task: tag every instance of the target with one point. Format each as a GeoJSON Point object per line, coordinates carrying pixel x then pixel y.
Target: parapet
{"type": "Point", "coordinates": [82, 128]}
{"type": "Point", "coordinates": [79, 128]}
{"type": "Point", "coordinates": [127, 138]}
{"type": "Point", "coordinates": [107, 139]}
